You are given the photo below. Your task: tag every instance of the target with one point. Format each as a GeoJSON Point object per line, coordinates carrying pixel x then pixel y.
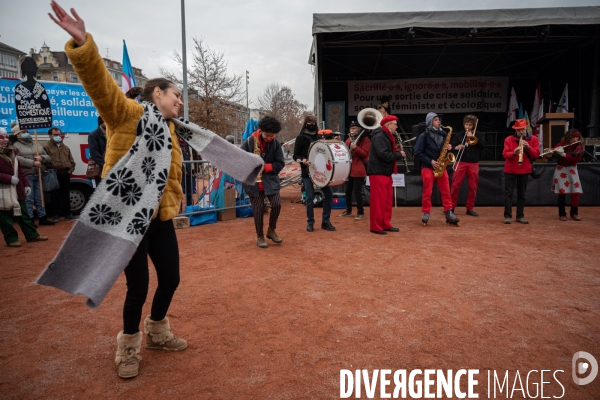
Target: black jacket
{"type": "Point", "coordinates": [382, 156]}
{"type": "Point", "coordinates": [471, 153]}
{"type": "Point", "coordinates": [273, 155]}
{"type": "Point", "coordinates": [97, 144]}
{"type": "Point", "coordinates": [429, 146]}
{"type": "Point", "coordinates": [301, 146]}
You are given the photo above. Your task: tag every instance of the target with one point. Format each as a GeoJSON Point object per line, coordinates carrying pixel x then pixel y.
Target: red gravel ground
{"type": "Point", "coordinates": [282, 322]}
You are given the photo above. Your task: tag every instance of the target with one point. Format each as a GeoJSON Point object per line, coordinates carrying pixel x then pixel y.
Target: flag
{"type": "Point", "coordinates": [128, 80]}
{"type": "Point", "coordinates": [563, 103]}
{"type": "Point", "coordinates": [535, 111]}
{"type": "Point", "coordinates": [513, 106]}
{"type": "Point", "coordinates": [526, 116]}
{"type": "Point", "coordinates": [521, 115]}
{"type": "Point", "coordinates": [541, 127]}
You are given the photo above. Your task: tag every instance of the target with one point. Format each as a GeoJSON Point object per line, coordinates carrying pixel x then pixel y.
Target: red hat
{"type": "Point", "coordinates": [576, 134]}
{"type": "Point", "coordinates": [387, 119]}
{"type": "Point", "coordinates": [520, 124]}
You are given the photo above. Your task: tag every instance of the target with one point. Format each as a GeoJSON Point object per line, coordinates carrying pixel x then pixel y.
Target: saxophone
{"type": "Point", "coordinates": [444, 157]}
{"type": "Point", "coordinates": [520, 150]}
{"type": "Point", "coordinates": [257, 152]}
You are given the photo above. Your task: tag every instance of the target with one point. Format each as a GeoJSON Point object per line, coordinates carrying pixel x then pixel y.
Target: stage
{"type": "Point", "coordinates": [491, 187]}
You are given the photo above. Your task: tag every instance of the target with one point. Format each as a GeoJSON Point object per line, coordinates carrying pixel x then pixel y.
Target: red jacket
{"type": "Point", "coordinates": [511, 166]}
{"type": "Point", "coordinates": [7, 171]}
{"type": "Point", "coordinates": [360, 156]}
{"type": "Point", "coordinates": [573, 154]}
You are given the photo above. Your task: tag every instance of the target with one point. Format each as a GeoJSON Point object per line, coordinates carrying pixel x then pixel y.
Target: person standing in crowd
{"type": "Point", "coordinates": [308, 134]}
{"type": "Point", "coordinates": [384, 107]}
{"type": "Point", "coordinates": [97, 145]}
{"type": "Point", "coordinates": [264, 143]}
{"type": "Point", "coordinates": [63, 163]}
{"type": "Point", "coordinates": [566, 177]}
{"type": "Point", "coordinates": [469, 163]}
{"type": "Point", "coordinates": [360, 156]}
{"type": "Point", "coordinates": [383, 156]}
{"type": "Point", "coordinates": [143, 178]}
{"type": "Point", "coordinates": [32, 164]}
{"type": "Point", "coordinates": [21, 183]}
{"type": "Point", "coordinates": [519, 151]}
{"type": "Point", "coordinates": [428, 149]}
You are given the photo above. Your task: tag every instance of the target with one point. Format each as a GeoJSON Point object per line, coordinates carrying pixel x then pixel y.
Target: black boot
{"type": "Point", "coordinates": [44, 221]}
{"type": "Point", "coordinates": [451, 218]}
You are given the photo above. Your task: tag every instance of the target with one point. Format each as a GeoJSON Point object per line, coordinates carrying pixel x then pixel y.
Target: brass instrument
{"type": "Point", "coordinates": [369, 118]}
{"type": "Point", "coordinates": [467, 141]}
{"type": "Point", "coordinates": [550, 151]}
{"type": "Point", "coordinates": [445, 157]}
{"type": "Point", "coordinates": [257, 152]}
{"type": "Point", "coordinates": [521, 143]}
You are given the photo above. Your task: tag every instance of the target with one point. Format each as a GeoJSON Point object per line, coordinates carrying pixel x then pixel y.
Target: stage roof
{"type": "Point", "coordinates": [501, 18]}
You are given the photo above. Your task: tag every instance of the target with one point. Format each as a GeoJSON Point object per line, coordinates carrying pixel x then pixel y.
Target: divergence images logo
{"type": "Point", "coordinates": [582, 367]}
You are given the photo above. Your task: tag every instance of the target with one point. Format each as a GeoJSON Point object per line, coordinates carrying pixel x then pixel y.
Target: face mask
{"type": "Point", "coordinates": [57, 139]}
{"type": "Point", "coordinates": [25, 136]}
{"type": "Point", "coordinates": [311, 127]}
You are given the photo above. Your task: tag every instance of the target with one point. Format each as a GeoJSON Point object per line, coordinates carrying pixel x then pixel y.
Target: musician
{"type": "Point", "coordinates": [515, 173]}
{"type": "Point", "coordinates": [308, 134]}
{"type": "Point", "coordinates": [427, 150]}
{"type": "Point", "coordinates": [383, 157]}
{"type": "Point", "coordinates": [468, 165]}
{"type": "Point", "coordinates": [265, 144]}
{"type": "Point", "coordinates": [360, 156]}
{"type": "Point", "coordinates": [566, 177]}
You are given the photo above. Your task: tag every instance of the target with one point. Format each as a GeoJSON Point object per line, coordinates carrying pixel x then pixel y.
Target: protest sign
{"type": "Point", "coordinates": [439, 95]}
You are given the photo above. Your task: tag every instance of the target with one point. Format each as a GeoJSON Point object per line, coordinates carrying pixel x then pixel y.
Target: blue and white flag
{"type": "Point", "coordinates": [128, 80]}
{"type": "Point", "coordinates": [563, 103]}
{"type": "Point", "coordinates": [513, 108]}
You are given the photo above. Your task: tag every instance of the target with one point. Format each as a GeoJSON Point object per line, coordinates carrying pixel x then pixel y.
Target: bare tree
{"type": "Point", "coordinates": [214, 95]}
{"type": "Point", "coordinates": [280, 102]}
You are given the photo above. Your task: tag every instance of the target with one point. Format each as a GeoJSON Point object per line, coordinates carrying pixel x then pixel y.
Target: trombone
{"type": "Point", "coordinates": [466, 142]}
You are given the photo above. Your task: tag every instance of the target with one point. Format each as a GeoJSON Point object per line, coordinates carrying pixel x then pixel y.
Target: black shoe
{"type": "Point", "coordinates": [309, 227]}
{"type": "Point", "coordinates": [44, 221]}
{"type": "Point", "coordinates": [472, 213]}
{"type": "Point", "coordinates": [327, 226]}
{"type": "Point", "coordinates": [393, 230]}
{"type": "Point", "coordinates": [70, 217]}
{"type": "Point", "coordinates": [380, 232]}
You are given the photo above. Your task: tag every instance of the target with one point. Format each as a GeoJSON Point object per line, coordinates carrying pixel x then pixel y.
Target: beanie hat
{"type": "Point", "coordinates": [387, 119]}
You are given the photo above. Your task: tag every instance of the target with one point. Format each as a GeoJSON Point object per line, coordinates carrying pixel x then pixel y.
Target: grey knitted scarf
{"type": "Point", "coordinates": [113, 223]}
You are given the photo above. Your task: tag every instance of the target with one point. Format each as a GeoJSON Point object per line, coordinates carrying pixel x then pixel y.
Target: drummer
{"type": "Point", "coordinates": [308, 135]}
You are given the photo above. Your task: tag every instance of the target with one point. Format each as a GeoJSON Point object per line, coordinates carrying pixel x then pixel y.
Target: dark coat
{"type": "Point", "coordinates": [301, 147]}
{"type": "Point", "coordinates": [7, 171]}
{"type": "Point", "coordinates": [273, 155]}
{"type": "Point", "coordinates": [429, 146]}
{"type": "Point", "coordinates": [382, 156]}
{"type": "Point", "coordinates": [97, 144]}
{"type": "Point", "coordinates": [471, 153]}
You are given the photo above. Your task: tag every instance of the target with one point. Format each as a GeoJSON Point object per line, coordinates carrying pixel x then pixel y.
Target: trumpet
{"type": "Point", "coordinates": [550, 151]}
{"type": "Point", "coordinates": [467, 141]}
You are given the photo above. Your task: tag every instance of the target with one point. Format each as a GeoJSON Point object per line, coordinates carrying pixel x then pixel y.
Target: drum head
{"type": "Point", "coordinates": [321, 164]}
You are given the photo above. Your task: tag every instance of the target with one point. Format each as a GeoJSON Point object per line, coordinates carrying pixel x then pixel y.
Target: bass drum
{"type": "Point", "coordinates": [329, 163]}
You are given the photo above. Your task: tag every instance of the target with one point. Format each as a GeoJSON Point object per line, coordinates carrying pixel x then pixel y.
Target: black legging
{"type": "Point", "coordinates": [160, 243]}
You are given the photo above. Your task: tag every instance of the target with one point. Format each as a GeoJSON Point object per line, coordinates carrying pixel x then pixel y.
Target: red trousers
{"type": "Point", "coordinates": [381, 202]}
{"type": "Point", "coordinates": [443, 186]}
{"type": "Point", "coordinates": [471, 169]}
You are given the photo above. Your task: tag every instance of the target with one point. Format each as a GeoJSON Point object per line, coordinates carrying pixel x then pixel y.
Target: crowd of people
{"type": "Point", "coordinates": [374, 155]}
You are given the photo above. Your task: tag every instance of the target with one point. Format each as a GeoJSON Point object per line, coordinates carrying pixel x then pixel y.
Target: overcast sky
{"type": "Point", "coordinates": [271, 39]}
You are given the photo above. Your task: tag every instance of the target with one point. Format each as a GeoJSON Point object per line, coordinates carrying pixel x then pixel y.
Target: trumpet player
{"type": "Point", "coordinates": [467, 162]}
{"type": "Point", "coordinates": [566, 177]}
{"type": "Point", "coordinates": [427, 149]}
{"type": "Point", "coordinates": [519, 151]}
{"type": "Point", "coordinates": [359, 148]}
{"type": "Point", "coordinates": [383, 157]}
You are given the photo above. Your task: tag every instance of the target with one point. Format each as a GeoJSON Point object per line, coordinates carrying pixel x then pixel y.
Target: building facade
{"type": "Point", "coordinates": [9, 61]}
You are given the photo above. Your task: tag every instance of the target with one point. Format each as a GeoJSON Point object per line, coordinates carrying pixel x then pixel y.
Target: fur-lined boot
{"type": "Point", "coordinates": [159, 336]}
{"type": "Point", "coordinates": [128, 354]}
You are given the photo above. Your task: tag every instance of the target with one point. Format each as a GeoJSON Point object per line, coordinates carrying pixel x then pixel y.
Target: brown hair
{"type": "Point", "coordinates": [569, 134]}
{"type": "Point", "coordinates": [134, 92]}
{"type": "Point", "coordinates": [162, 83]}
{"type": "Point", "coordinates": [470, 118]}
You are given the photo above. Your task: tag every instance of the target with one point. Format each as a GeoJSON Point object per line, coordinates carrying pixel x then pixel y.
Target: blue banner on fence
{"type": "Point", "coordinates": [72, 109]}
